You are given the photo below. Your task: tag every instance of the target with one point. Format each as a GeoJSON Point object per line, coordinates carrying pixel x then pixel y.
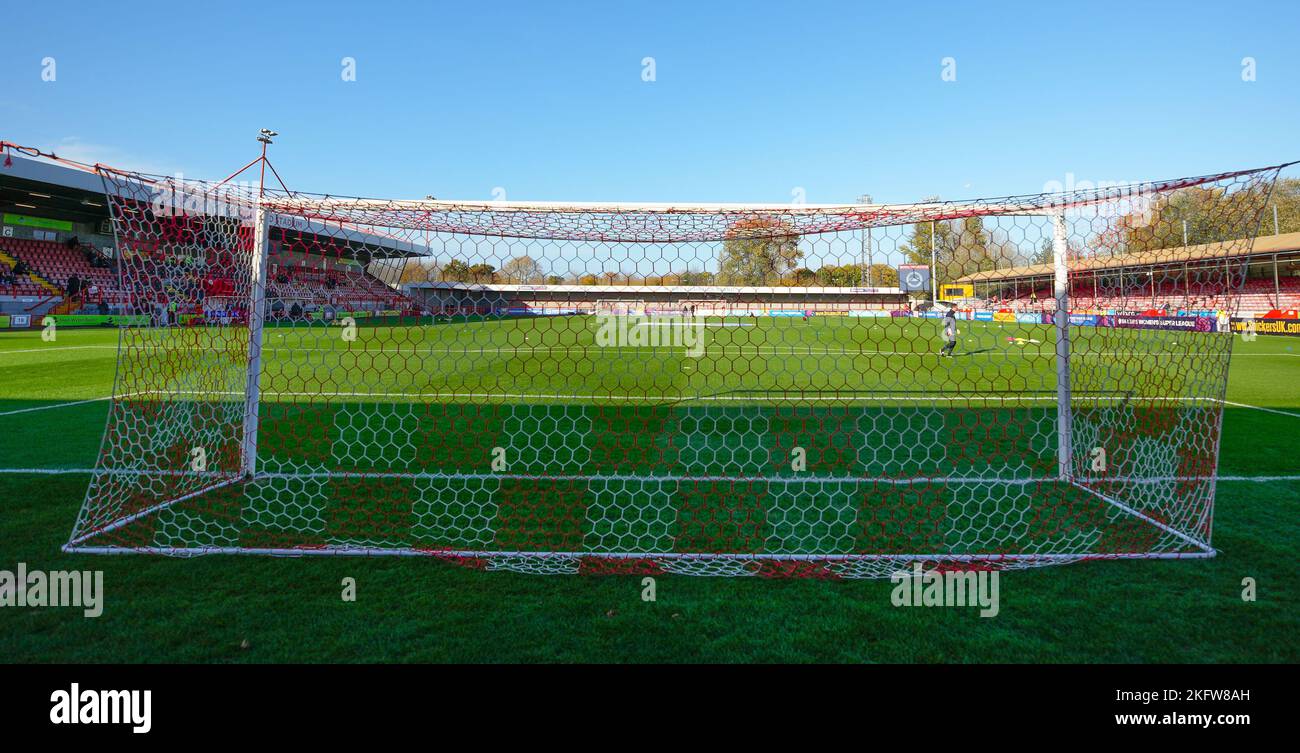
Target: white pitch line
{"type": "Point", "coordinates": [778, 479]}
{"type": "Point", "coordinates": [653, 398]}
{"type": "Point", "coordinates": [70, 404]}
{"type": "Point", "coordinates": [56, 405]}
{"type": "Point", "coordinates": [1266, 410]}
{"type": "Point", "coordinates": [45, 471]}
{"type": "Point", "coordinates": [662, 398]}
{"type": "Point", "coordinates": [797, 397]}
{"type": "Point", "coordinates": [59, 348]}
{"type": "Point", "coordinates": [595, 349]}
{"type": "Point", "coordinates": [728, 325]}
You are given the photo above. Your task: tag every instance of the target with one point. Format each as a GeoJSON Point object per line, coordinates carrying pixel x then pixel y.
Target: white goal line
{"type": "Point", "coordinates": [653, 479]}
{"type": "Point", "coordinates": [792, 397]}
{"type": "Point", "coordinates": [577, 556]}
{"type": "Point", "coordinates": [814, 479]}
{"type": "Point", "coordinates": [750, 396]}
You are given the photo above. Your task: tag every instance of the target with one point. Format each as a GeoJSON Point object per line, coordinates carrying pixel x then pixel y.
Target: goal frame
{"type": "Point", "coordinates": [251, 426]}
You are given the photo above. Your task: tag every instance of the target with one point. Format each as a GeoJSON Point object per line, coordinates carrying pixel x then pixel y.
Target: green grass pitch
{"type": "Point", "coordinates": [206, 609]}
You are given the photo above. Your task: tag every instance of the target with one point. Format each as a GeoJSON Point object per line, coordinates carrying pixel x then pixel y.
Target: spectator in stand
{"type": "Point", "coordinates": [20, 268]}
{"type": "Point", "coordinates": [72, 287]}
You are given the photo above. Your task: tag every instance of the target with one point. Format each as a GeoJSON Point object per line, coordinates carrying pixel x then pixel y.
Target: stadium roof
{"type": "Point", "coordinates": [64, 191]}
{"type": "Point", "coordinates": [699, 291]}
{"type": "Point", "coordinates": [54, 191]}
{"type": "Point", "coordinates": [1286, 243]}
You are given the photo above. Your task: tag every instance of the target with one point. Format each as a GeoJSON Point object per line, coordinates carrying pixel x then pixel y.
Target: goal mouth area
{"type": "Point", "coordinates": [700, 485]}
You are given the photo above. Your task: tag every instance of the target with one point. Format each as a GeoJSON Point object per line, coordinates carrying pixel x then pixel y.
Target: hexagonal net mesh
{"type": "Point", "coordinates": [832, 391]}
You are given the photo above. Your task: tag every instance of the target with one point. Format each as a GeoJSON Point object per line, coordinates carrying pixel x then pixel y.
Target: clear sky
{"type": "Point", "coordinates": [750, 101]}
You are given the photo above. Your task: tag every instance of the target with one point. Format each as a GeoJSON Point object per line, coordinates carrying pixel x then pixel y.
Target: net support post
{"type": "Point", "coordinates": [1061, 288]}
{"type": "Point", "coordinates": [256, 318]}
{"type": "Point", "coordinates": [934, 268]}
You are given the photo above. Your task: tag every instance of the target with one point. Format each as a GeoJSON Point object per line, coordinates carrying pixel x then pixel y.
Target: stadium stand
{"type": "Point", "coordinates": [54, 264]}
{"type": "Point", "coordinates": [51, 265]}
{"type": "Point", "coordinates": [1193, 278]}
{"type": "Point", "coordinates": [1256, 294]}
{"type": "Point", "coordinates": [344, 290]}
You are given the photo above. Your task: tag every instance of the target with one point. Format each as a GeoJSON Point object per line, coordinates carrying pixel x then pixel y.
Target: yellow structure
{"type": "Point", "coordinates": [952, 291]}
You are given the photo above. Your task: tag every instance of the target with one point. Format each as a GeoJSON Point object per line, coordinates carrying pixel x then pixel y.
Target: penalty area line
{"type": "Point", "coordinates": [71, 403]}
{"type": "Point", "coordinates": [55, 405]}
{"type": "Point", "coordinates": [1266, 410]}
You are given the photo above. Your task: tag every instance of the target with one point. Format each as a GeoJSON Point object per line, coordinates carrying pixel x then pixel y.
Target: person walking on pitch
{"type": "Point", "coordinates": [949, 332]}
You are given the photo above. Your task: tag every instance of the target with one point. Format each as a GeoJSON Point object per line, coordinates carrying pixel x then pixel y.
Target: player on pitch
{"type": "Point", "coordinates": [949, 332]}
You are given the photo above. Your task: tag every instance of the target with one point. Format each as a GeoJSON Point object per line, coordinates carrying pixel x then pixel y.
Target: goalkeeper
{"type": "Point", "coordinates": [949, 332]}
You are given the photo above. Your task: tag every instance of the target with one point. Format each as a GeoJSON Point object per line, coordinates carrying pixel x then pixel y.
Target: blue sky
{"type": "Point", "coordinates": [751, 102]}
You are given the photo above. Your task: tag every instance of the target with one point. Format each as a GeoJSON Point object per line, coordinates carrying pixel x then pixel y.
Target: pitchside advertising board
{"type": "Point", "coordinates": [913, 278]}
{"type": "Point", "coordinates": [1184, 323]}
{"type": "Point", "coordinates": [1289, 327]}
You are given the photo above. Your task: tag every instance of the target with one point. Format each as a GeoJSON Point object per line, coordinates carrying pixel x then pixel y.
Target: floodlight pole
{"type": "Point", "coordinates": [934, 268]}
{"type": "Point", "coordinates": [256, 319]}
{"type": "Point", "coordinates": [1064, 411]}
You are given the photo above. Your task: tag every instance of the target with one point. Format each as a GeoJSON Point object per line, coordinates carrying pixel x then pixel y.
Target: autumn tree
{"type": "Point", "coordinates": [483, 273]}
{"type": "Point", "coordinates": [758, 251]}
{"type": "Point", "coordinates": [523, 270]}
{"type": "Point", "coordinates": [455, 271]}
{"type": "Point", "coordinates": [419, 270]}
{"type": "Point", "coordinates": [969, 253]}
{"type": "Point", "coordinates": [884, 276]}
{"type": "Point", "coordinates": [1286, 197]}
{"type": "Point", "coordinates": [696, 278]}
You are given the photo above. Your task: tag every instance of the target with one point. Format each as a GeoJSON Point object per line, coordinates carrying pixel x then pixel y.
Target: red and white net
{"type": "Point", "coordinates": [723, 389]}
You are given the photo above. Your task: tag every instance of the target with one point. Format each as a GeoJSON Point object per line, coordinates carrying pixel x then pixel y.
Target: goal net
{"type": "Point", "coordinates": [1071, 411]}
